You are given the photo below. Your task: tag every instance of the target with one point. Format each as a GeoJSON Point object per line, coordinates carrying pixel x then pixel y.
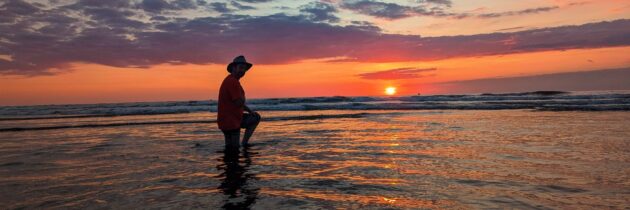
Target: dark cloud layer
{"type": "Point", "coordinates": [255, 1]}
{"type": "Point", "coordinates": [607, 79]}
{"type": "Point", "coordinates": [40, 41]}
{"type": "Point", "coordinates": [395, 11]}
{"type": "Point", "coordinates": [220, 7]}
{"type": "Point", "coordinates": [520, 12]}
{"type": "Point", "coordinates": [447, 3]}
{"type": "Point", "coordinates": [434, 8]}
{"type": "Point", "coordinates": [379, 9]}
{"type": "Point", "coordinates": [158, 6]}
{"type": "Point", "coordinates": [318, 11]}
{"type": "Point", "coordinates": [396, 74]}
{"type": "Point", "coordinates": [241, 6]}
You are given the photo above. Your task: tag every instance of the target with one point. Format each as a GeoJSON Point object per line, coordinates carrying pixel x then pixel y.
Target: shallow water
{"type": "Point", "coordinates": [439, 159]}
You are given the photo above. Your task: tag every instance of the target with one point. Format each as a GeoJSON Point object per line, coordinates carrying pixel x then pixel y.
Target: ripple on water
{"type": "Point", "coordinates": [446, 160]}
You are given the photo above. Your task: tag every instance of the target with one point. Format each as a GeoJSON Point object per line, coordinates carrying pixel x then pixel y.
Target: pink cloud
{"type": "Point", "coordinates": [396, 74]}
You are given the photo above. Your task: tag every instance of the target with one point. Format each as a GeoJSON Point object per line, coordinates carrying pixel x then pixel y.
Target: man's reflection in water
{"type": "Point", "coordinates": [235, 177]}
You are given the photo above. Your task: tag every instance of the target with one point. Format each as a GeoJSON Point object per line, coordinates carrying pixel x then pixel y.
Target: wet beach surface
{"type": "Point", "coordinates": [438, 159]}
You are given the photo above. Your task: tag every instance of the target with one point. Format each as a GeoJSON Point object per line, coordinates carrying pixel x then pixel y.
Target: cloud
{"type": "Point", "coordinates": [519, 12]}
{"type": "Point", "coordinates": [392, 11]}
{"type": "Point", "coordinates": [17, 7]}
{"type": "Point", "coordinates": [391, 48]}
{"type": "Point", "coordinates": [396, 74]}
{"type": "Point", "coordinates": [113, 33]}
{"type": "Point", "coordinates": [241, 6]}
{"type": "Point", "coordinates": [447, 3]}
{"type": "Point", "coordinates": [220, 7]}
{"type": "Point", "coordinates": [378, 9]}
{"type": "Point", "coordinates": [158, 6]}
{"type": "Point", "coordinates": [101, 4]}
{"type": "Point", "coordinates": [512, 28]}
{"type": "Point", "coordinates": [317, 11]}
{"type": "Point", "coordinates": [255, 1]}
{"type": "Point", "coordinates": [607, 79]}
{"type": "Point", "coordinates": [434, 8]}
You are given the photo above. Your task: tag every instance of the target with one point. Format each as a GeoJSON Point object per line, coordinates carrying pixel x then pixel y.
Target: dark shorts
{"type": "Point", "coordinates": [248, 120]}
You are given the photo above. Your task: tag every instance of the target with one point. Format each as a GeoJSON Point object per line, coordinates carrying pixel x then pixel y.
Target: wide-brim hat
{"type": "Point", "coordinates": [239, 60]}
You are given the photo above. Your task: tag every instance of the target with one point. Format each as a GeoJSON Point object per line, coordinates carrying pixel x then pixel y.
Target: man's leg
{"type": "Point", "coordinates": [232, 138]}
{"type": "Point", "coordinates": [250, 122]}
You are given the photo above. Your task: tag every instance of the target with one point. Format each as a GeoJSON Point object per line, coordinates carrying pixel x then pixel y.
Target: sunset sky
{"type": "Point", "coordinates": [97, 51]}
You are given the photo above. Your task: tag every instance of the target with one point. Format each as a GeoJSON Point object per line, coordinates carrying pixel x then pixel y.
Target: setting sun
{"type": "Point", "coordinates": [390, 90]}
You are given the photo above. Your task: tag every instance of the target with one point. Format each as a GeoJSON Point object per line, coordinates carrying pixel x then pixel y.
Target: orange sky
{"type": "Point", "coordinates": [90, 83]}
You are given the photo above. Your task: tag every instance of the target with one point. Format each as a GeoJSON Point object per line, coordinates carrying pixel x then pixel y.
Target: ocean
{"type": "Point", "coordinates": [531, 150]}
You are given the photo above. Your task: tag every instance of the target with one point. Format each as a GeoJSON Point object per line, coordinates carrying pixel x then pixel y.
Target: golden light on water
{"type": "Point", "coordinates": [390, 90]}
{"type": "Point", "coordinates": [389, 200]}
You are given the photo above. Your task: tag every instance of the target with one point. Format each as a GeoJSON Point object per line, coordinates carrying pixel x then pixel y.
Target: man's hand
{"type": "Point", "coordinates": [247, 109]}
{"type": "Point", "coordinates": [250, 111]}
{"type": "Point", "coordinates": [240, 102]}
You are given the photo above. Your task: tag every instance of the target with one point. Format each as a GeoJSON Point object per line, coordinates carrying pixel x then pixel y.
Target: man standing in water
{"type": "Point", "coordinates": [231, 105]}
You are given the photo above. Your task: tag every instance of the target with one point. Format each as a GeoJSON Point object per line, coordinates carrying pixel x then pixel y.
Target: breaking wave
{"type": "Point", "coordinates": [539, 100]}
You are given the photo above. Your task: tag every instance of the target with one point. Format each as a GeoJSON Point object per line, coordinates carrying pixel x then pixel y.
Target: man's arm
{"type": "Point", "coordinates": [247, 109]}
{"type": "Point", "coordinates": [240, 103]}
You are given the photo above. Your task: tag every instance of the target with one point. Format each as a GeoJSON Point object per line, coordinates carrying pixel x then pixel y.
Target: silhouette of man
{"type": "Point", "coordinates": [231, 105]}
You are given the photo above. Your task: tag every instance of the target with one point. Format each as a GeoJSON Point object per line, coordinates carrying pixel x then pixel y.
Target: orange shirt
{"type": "Point", "coordinates": [229, 115]}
